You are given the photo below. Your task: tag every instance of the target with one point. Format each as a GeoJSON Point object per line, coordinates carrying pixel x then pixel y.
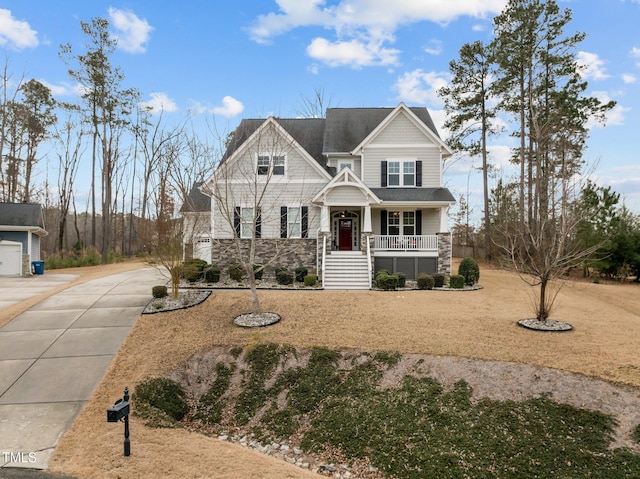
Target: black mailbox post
{"type": "Point", "coordinates": [120, 412]}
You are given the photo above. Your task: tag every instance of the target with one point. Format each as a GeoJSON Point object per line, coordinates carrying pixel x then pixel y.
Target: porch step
{"type": "Point", "coordinates": [346, 271]}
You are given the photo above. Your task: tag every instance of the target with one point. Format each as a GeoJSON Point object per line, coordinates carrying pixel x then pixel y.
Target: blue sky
{"type": "Point", "coordinates": [237, 59]}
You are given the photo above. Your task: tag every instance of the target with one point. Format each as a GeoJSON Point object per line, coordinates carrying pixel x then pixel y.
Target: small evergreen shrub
{"type": "Point", "coordinates": [284, 277]}
{"type": "Point", "coordinates": [387, 282]}
{"type": "Point", "coordinates": [212, 274]}
{"type": "Point", "coordinates": [258, 271]}
{"type": "Point", "coordinates": [163, 394]}
{"type": "Point", "coordinates": [301, 272]}
{"type": "Point", "coordinates": [159, 291]}
{"type": "Point", "coordinates": [402, 279]}
{"type": "Point", "coordinates": [190, 273]}
{"type": "Point", "coordinates": [456, 281]}
{"type": "Point", "coordinates": [425, 281]}
{"type": "Point", "coordinates": [197, 263]}
{"type": "Point", "coordinates": [310, 280]}
{"type": "Point", "coordinates": [470, 270]}
{"type": "Point", "coordinates": [438, 279]}
{"type": "Point", "coordinates": [278, 269]}
{"type": "Point", "coordinates": [382, 271]}
{"type": "Point", "coordinates": [235, 272]}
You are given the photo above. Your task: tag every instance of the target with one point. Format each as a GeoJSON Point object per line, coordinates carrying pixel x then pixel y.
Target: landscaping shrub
{"type": "Point", "coordinates": [387, 282]}
{"type": "Point", "coordinates": [162, 394]}
{"type": "Point", "coordinates": [425, 281]}
{"type": "Point", "coordinates": [402, 279]}
{"type": "Point", "coordinates": [470, 270]}
{"type": "Point", "coordinates": [456, 281]}
{"type": "Point", "coordinates": [198, 263]}
{"type": "Point", "coordinates": [284, 277]}
{"type": "Point", "coordinates": [438, 279]}
{"type": "Point", "coordinates": [159, 291]}
{"type": "Point", "coordinates": [310, 280]}
{"type": "Point", "coordinates": [212, 274]}
{"type": "Point", "coordinates": [301, 272]}
{"type": "Point", "coordinates": [258, 271]}
{"type": "Point", "coordinates": [382, 271]}
{"type": "Point", "coordinates": [278, 269]}
{"type": "Point", "coordinates": [235, 272]}
{"type": "Point", "coordinates": [191, 273]}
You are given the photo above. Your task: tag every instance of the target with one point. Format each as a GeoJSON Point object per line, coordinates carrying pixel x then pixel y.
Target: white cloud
{"type": "Point", "coordinates": [635, 53]}
{"type": "Point", "coordinates": [592, 66]}
{"type": "Point", "coordinates": [420, 87]}
{"type": "Point", "coordinates": [354, 53]}
{"type": "Point", "coordinates": [131, 32]}
{"type": "Point", "coordinates": [434, 47]}
{"type": "Point", "coordinates": [230, 107]}
{"type": "Point", "coordinates": [628, 78]}
{"type": "Point", "coordinates": [16, 34]}
{"type": "Point", "coordinates": [159, 103]}
{"type": "Point", "coordinates": [64, 89]}
{"type": "Point", "coordinates": [362, 27]}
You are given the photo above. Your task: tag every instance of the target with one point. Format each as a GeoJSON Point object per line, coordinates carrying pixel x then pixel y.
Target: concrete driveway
{"type": "Point", "coordinates": [53, 355]}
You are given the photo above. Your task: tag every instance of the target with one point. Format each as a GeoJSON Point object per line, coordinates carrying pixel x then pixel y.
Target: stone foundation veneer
{"type": "Point", "coordinates": [293, 253]}
{"type": "Point", "coordinates": [444, 253]}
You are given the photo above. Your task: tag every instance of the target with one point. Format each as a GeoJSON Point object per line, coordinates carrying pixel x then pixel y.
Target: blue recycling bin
{"type": "Point", "coordinates": [38, 267]}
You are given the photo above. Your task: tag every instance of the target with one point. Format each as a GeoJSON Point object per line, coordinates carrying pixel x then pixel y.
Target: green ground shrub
{"type": "Point", "coordinates": [310, 280]}
{"type": "Point", "coordinates": [284, 277]}
{"type": "Point", "coordinates": [387, 282]}
{"type": "Point", "coordinates": [164, 395]}
{"type": "Point", "coordinates": [402, 279]}
{"type": "Point", "coordinates": [212, 274]}
{"type": "Point", "coordinates": [439, 280]}
{"type": "Point", "coordinates": [456, 281]}
{"type": "Point", "coordinates": [258, 271]}
{"type": "Point", "coordinates": [159, 291]}
{"type": "Point", "coordinates": [301, 272]}
{"type": "Point", "coordinates": [235, 272]}
{"type": "Point", "coordinates": [425, 281]}
{"type": "Point", "coordinates": [470, 270]}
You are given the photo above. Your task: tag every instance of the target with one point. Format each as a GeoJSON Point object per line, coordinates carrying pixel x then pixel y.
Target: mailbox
{"type": "Point", "coordinates": [118, 411]}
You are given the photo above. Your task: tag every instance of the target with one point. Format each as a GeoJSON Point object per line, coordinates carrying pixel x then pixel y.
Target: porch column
{"type": "Point", "coordinates": [325, 223]}
{"type": "Point", "coordinates": [366, 228]}
{"type": "Point", "coordinates": [444, 217]}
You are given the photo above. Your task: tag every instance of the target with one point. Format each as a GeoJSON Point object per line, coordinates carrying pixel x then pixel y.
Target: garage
{"type": "Point", "coordinates": [10, 258]}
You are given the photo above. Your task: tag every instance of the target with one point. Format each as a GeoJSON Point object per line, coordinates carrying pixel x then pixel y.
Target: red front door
{"type": "Point", "coordinates": [345, 234]}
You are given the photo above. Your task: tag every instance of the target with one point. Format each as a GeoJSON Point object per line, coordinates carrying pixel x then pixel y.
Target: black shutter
{"type": "Point", "coordinates": [283, 222]}
{"type": "Point", "coordinates": [418, 173]}
{"type": "Point", "coordinates": [418, 222]}
{"type": "Point", "coordinates": [383, 222]}
{"type": "Point", "coordinates": [259, 224]}
{"type": "Point", "coordinates": [305, 221]}
{"type": "Point", "coordinates": [236, 220]}
{"type": "Point", "coordinates": [383, 174]}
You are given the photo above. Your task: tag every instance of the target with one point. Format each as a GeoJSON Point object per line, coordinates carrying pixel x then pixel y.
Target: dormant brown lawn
{"type": "Point", "coordinates": [478, 325]}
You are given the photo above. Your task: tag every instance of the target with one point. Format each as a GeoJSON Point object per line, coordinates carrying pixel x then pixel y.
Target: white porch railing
{"type": "Point", "coordinates": [405, 243]}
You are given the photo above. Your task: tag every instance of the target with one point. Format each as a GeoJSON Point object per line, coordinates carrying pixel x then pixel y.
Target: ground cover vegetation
{"type": "Point", "coordinates": [328, 400]}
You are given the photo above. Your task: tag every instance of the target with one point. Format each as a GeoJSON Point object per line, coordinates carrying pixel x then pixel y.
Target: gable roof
{"type": "Point", "coordinates": [346, 128]}
{"type": "Point", "coordinates": [307, 132]}
{"type": "Point", "coordinates": [196, 201]}
{"type": "Point", "coordinates": [22, 217]}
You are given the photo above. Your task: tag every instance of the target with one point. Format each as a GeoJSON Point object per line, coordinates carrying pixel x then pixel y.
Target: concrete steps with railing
{"type": "Point", "coordinates": [346, 270]}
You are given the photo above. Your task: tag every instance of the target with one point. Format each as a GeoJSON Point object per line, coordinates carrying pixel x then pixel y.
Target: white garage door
{"type": "Point", "coordinates": [202, 249]}
{"type": "Point", "coordinates": [10, 258]}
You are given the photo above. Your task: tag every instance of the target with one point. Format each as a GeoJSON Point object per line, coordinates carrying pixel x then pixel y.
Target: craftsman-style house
{"type": "Point", "coordinates": [356, 192]}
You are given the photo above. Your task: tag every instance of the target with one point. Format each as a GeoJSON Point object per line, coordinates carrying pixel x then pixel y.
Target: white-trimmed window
{"type": "Point", "coordinates": [294, 223]}
{"type": "Point", "coordinates": [246, 222]}
{"type": "Point", "coordinates": [401, 223]}
{"type": "Point", "coordinates": [401, 173]}
{"type": "Point", "coordinates": [274, 164]}
{"type": "Point", "coordinates": [345, 164]}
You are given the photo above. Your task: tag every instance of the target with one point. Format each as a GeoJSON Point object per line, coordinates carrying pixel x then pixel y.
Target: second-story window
{"type": "Point", "coordinates": [401, 173]}
{"type": "Point", "coordinates": [271, 165]}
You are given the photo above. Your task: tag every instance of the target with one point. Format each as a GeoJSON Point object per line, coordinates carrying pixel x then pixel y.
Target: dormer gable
{"type": "Point", "coordinates": [346, 189]}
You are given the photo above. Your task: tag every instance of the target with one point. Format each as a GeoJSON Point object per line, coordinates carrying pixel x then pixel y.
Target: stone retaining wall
{"type": "Point", "coordinates": [444, 253]}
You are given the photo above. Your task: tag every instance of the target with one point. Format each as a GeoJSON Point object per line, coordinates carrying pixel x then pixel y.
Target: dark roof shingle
{"type": "Point", "coordinates": [21, 214]}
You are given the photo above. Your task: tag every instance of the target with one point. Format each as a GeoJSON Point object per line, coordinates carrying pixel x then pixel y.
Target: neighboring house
{"type": "Point", "coordinates": [347, 195]}
{"type": "Point", "coordinates": [196, 224]}
{"type": "Point", "coordinates": [21, 227]}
